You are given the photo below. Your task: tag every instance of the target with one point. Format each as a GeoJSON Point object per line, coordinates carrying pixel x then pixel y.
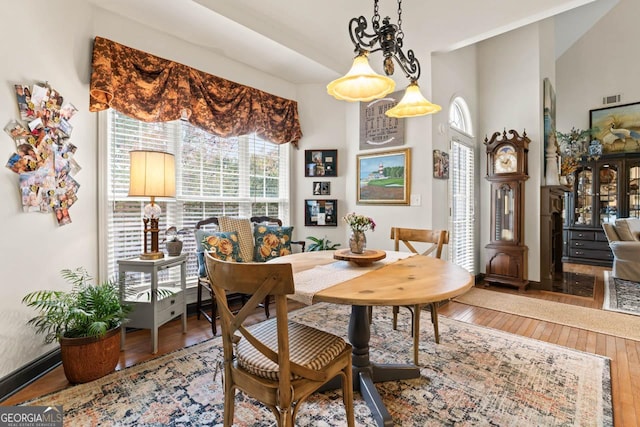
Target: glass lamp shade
{"type": "Point", "coordinates": [361, 83]}
{"type": "Point", "coordinates": [413, 104]}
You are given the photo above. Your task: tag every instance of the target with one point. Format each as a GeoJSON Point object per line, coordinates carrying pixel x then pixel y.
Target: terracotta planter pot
{"type": "Point", "coordinates": [87, 359]}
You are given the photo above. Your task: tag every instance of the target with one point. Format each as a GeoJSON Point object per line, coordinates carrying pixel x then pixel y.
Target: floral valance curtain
{"type": "Point", "coordinates": [153, 89]}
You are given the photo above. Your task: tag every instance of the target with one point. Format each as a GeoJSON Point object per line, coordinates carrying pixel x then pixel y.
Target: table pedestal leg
{"type": "Point", "coordinates": [365, 373]}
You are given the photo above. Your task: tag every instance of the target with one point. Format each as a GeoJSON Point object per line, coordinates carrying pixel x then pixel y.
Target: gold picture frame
{"type": "Point", "coordinates": [384, 178]}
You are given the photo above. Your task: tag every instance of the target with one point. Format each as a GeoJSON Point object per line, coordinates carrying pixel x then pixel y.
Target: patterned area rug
{"type": "Point", "coordinates": [476, 376]}
{"type": "Point", "coordinates": [621, 295]}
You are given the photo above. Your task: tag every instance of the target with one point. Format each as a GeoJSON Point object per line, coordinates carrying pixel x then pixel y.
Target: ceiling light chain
{"type": "Point", "coordinates": [400, 34]}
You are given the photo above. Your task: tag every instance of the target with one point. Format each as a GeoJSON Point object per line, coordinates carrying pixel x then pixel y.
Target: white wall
{"type": "Point", "coordinates": [454, 74]}
{"type": "Point", "coordinates": [34, 248]}
{"type": "Point", "coordinates": [510, 96]}
{"type": "Point", "coordinates": [603, 62]}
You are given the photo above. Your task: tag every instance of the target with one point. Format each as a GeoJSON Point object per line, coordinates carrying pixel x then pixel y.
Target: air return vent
{"type": "Point", "coordinates": [611, 99]}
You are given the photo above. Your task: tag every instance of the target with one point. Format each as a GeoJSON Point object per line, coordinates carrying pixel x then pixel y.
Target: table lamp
{"type": "Point", "coordinates": [152, 174]}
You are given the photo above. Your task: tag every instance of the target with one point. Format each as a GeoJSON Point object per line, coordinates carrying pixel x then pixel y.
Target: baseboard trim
{"type": "Point", "coordinates": [27, 374]}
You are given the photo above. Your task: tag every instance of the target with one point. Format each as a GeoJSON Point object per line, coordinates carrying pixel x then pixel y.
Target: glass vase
{"type": "Point", "coordinates": [357, 242]}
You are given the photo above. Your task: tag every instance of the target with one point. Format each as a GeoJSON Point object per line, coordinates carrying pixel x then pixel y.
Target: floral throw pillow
{"type": "Point", "coordinates": [223, 246]}
{"type": "Point", "coordinates": [271, 241]}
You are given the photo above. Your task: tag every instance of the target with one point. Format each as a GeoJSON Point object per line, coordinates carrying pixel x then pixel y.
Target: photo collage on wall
{"type": "Point", "coordinates": [44, 155]}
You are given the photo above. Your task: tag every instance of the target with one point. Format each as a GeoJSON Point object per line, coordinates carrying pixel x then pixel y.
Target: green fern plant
{"type": "Point", "coordinates": [87, 310]}
{"type": "Point", "coordinates": [323, 244]}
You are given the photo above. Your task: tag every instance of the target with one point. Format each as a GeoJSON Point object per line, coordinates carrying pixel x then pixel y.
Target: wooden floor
{"type": "Point", "coordinates": [624, 354]}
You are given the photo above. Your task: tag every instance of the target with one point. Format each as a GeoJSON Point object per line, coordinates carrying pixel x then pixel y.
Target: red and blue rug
{"type": "Point", "coordinates": [475, 376]}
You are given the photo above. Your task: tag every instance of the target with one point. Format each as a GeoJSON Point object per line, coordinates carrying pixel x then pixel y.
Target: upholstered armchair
{"type": "Point", "coordinates": [624, 241]}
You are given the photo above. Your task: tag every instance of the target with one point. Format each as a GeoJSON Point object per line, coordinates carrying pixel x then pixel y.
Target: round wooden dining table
{"type": "Point", "coordinates": [415, 280]}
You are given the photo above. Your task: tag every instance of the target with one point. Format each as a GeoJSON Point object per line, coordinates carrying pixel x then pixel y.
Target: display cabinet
{"type": "Point", "coordinates": [603, 191]}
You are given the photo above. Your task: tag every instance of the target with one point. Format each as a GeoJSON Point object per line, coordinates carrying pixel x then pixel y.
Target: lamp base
{"type": "Point", "coordinates": [152, 255]}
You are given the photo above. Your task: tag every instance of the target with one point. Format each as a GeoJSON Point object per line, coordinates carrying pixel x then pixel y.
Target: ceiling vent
{"type": "Point", "coordinates": [611, 99]}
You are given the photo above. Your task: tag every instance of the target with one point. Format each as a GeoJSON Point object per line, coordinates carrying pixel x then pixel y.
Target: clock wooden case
{"type": "Point", "coordinates": [507, 171]}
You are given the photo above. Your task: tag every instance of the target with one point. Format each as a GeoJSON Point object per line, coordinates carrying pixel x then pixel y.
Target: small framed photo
{"type": "Point", "coordinates": [321, 188]}
{"type": "Point", "coordinates": [321, 212]}
{"type": "Point", "coordinates": [321, 163]}
{"type": "Point", "coordinates": [440, 164]}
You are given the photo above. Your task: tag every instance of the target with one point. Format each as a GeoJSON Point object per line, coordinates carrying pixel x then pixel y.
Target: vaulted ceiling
{"type": "Point", "coordinates": [307, 41]}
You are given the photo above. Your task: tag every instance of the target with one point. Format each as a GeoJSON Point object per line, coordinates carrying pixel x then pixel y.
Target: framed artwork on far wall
{"type": "Point", "coordinates": [321, 162]}
{"type": "Point", "coordinates": [440, 164]}
{"type": "Point", "coordinates": [321, 212]}
{"type": "Point", "coordinates": [384, 178]}
{"type": "Point", "coordinates": [617, 127]}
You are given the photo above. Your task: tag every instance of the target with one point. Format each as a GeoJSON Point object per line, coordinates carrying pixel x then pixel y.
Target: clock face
{"type": "Point", "coordinates": [506, 160]}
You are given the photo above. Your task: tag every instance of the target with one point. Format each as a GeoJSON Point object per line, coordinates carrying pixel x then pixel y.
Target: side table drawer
{"type": "Point", "coordinates": [170, 307]}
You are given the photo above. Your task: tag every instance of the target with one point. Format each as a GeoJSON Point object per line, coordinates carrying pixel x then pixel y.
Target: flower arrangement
{"type": "Point", "coordinates": [578, 144]}
{"type": "Point", "coordinates": [568, 165]}
{"type": "Point", "coordinates": [359, 222]}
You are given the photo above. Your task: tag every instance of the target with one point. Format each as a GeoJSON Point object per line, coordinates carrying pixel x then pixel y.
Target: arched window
{"type": "Point", "coordinates": [459, 117]}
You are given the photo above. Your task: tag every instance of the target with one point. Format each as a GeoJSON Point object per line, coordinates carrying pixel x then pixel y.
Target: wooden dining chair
{"type": "Point", "coordinates": [208, 308]}
{"type": "Point", "coordinates": [437, 239]}
{"type": "Point", "coordinates": [278, 362]}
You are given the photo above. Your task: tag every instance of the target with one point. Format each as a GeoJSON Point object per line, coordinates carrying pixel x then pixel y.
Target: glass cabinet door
{"type": "Point", "coordinates": [607, 195]}
{"type": "Point", "coordinates": [583, 214]}
{"type": "Point", "coordinates": [633, 193]}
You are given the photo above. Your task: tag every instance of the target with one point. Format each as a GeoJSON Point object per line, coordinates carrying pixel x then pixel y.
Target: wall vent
{"type": "Point", "coordinates": [611, 99]}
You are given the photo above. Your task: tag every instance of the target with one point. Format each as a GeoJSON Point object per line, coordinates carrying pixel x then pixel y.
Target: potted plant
{"type": "Point", "coordinates": [172, 240]}
{"type": "Point", "coordinates": [85, 321]}
{"type": "Point", "coordinates": [321, 244]}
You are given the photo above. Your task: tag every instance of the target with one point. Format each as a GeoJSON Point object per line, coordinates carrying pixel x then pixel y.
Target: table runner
{"type": "Point", "coordinates": [321, 277]}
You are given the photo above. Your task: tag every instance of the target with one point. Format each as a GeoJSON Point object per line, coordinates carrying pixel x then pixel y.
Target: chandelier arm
{"type": "Point", "coordinates": [409, 64]}
{"type": "Point", "coordinates": [362, 40]}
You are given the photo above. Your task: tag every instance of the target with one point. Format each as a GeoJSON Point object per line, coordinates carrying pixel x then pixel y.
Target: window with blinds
{"type": "Point", "coordinates": [462, 241]}
{"type": "Point", "coordinates": [236, 176]}
{"type": "Point", "coordinates": [462, 220]}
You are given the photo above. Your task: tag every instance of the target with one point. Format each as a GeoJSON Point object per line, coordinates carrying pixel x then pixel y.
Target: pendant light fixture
{"type": "Point", "coordinates": [362, 83]}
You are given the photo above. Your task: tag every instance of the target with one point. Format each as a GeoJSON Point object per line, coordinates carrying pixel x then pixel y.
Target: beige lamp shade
{"type": "Point", "coordinates": [361, 83]}
{"type": "Point", "coordinates": [152, 174]}
{"type": "Point", "coordinates": [413, 104]}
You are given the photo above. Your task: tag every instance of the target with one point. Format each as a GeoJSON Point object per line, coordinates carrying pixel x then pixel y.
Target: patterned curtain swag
{"type": "Point", "coordinates": [154, 89]}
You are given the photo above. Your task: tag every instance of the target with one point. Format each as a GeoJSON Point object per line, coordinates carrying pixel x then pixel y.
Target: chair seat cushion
{"type": "Point", "coordinates": [271, 241]}
{"type": "Point", "coordinates": [308, 347]}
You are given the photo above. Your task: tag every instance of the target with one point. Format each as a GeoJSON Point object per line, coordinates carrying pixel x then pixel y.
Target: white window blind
{"type": "Point", "coordinates": [462, 241]}
{"type": "Point", "coordinates": [237, 176]}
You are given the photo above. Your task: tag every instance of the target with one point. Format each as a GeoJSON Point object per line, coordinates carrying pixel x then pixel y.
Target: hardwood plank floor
{"type": "Point", "coordinates": [624, 354]}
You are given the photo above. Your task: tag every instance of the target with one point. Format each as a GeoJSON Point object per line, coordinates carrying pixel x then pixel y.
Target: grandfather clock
{"type": "Point", "coordinates": [507, 172]}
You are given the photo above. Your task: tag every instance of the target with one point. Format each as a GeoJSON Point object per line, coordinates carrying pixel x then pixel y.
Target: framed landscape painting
{"type": "Point", "coordinates": [384, 178]}
{"type": "Point", "coordinates": [617, 127]}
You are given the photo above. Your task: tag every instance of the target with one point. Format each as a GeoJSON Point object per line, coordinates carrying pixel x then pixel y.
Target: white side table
{"type": "Point", "coordinates": [149, 312]}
